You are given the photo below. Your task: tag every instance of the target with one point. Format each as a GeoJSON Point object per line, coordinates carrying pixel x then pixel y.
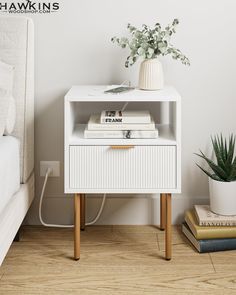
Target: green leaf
{"type": "Point", "coordinates": [216, 147]}
{"type": "Point", "coordinates": [223, 147]}
{"type": "Point", "coordinates": [141, 51]}
{"type": "Point", "coordinates": [230, 150]}
{"type": "Point", "coordinates": [150, 52]}
{"type": "Point", "coordinates": [225, 168]}
{"type": "Point", "coordinates": [232, 175]}
{"type": "Point", "coordinates": [216, 169]}
{"type": "Point", "coordinates": [205, 171]}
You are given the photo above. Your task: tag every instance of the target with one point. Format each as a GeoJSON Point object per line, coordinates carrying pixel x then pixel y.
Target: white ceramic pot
{"type": "Point", "coordinates": [151, 75]}
{"type": "Point", "coordinates": [222, 197]}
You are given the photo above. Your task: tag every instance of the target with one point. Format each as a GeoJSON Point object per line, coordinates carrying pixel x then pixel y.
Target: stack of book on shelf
{"type": "Point", "coordinates": [121, 124]}
{"type": "Point", "coordinates": [209, 232]}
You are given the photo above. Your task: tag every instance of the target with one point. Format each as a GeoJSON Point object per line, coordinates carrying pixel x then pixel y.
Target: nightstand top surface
{"type": "Point", "coordinates": [91, 93]}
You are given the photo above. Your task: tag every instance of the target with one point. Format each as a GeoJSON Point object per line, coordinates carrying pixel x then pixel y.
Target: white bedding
{"type": "Point", "coordinates": [13, 214]}
{"type": "Point", "coordinates": [17, 49]}
{"type": "Point", "coordinates": [9, 169]}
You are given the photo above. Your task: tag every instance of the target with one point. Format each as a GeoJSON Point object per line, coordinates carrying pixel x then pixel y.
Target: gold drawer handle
{"type": "Point", "coordinates": [122, 147]}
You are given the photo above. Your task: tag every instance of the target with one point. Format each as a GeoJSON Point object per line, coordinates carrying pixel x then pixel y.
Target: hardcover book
{"type": "Point", "coordinates": [95, 124]}
{"type": "Point", "coordinates": [209, 245]}
{"type": "Point", "coordinates": [128, 134]}
{"type": "Point", "coordinates": [208, 232]}
{"type": "Point", "coordinates": [207, 218]}
{"type": "Point", "coordinates": [133, 117]}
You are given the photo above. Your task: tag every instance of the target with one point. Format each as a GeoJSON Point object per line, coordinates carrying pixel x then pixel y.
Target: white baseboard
{"type": "Point", "coordinates": [118, 210]}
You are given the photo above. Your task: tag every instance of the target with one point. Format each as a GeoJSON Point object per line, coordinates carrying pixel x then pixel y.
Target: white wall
{"type": "Point", "coordinates": [73, 47]}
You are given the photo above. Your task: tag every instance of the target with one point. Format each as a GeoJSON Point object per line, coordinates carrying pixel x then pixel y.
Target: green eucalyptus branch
{"type": "Point", "coordinates": [149, 43]}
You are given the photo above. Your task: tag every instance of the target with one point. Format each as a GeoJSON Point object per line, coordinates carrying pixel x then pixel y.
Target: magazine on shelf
{"type": "Point", "coordinates": [94, 124]}
{"type": "Point", "coordinates": [133, 117]}
{"type": "Point", "coordinates": [119, 134]}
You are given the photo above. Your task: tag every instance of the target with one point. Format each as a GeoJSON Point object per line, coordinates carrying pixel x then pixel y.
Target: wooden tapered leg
{"type": "Point", "coordinates": [168, 229]}
{"type": "Point", "coordinates": [162, 211]}
{"type": "Point", "coordinates": [82, 212]}
{"type": "Point", "coordinates": [77, 228]}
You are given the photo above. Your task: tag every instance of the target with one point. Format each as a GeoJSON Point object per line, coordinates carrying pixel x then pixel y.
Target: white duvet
{"type": "Point", "coordinates": [9, 169]}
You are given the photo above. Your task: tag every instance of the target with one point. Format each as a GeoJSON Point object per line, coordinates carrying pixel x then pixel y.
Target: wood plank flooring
{"type": "Point", "coordinates": [114, 260]}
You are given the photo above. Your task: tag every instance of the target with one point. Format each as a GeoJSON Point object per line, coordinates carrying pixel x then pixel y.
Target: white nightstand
{"type": "Point", "coordinates": [123, 166]}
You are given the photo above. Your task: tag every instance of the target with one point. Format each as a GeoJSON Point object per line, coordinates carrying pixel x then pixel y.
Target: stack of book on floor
{"type": "Point", "coordinates": [209, 232]}
{"type": "Point", "coordinates": [121, 124]}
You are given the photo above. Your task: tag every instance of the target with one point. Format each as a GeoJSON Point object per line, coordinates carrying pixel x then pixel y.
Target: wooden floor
{"type": "Point", "coordinates": [114, 260]}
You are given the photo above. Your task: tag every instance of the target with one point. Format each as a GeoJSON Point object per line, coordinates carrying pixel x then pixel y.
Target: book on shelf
{"type": "Point", "coordinates": [208, 245]}
{"type": "Point", "coordinates": [95, 124]}
{"type": "Point", "coordinates": [207, 218]}
{"type": "Point", "coordinates": [125, 117]}
{"type": "Point", "coordinates": [208, 232]}
{"type": "Point", "coordinates": [119, 134]}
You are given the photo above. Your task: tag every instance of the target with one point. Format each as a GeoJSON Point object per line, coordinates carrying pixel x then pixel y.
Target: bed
{"type": "Point", "coordinates": [17, 149]}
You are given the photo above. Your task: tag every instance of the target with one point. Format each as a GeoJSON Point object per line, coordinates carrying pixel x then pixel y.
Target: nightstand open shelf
{"type": "Point", "coordinates": [166, 137]}
{"type": "Point", "coordinates": [123, 166]}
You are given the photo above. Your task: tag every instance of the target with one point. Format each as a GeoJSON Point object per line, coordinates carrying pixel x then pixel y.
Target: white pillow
{"type": "Point", "coordinates": [7, 102]}
{"type": "Point", "coordinates": [11, 115]}
{"type": "Point", "coordinates": [6, 77]}
{"type": "Point", "coordinates": [4, 105]}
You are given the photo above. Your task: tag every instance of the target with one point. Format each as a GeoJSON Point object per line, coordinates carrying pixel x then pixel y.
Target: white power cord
{"type": "Point", "coordinates": [99, 212]}
{"type": "Point", "coordinates": [49, 170]}
{"type": "Point", "coordinates": [124, 106]}
{"type": "Point", "coordinates": [126, 82]}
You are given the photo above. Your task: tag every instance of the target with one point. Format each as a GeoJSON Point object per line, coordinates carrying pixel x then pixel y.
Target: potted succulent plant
{"type": "Point", "coordinates": [149, 43]}
{"type": "Point", "coordinates": [222, 175]}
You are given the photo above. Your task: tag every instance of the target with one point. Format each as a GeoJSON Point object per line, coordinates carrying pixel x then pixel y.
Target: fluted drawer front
{"type": "Point", "coordinates": [101, 167]}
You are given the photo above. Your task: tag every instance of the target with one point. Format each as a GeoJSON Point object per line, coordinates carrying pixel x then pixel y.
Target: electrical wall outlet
{"type": "Point", "coordinates": [54, 165]}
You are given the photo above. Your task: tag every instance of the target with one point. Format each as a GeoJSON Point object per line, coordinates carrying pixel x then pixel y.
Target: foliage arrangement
{"type": "Point", "coordinates": [225, 167]}
{"type": "Point", "coordinates": [150, 42]}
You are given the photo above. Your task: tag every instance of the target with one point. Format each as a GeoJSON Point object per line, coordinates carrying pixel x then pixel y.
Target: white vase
{"type": "Point", "coordinates": [222, 197]}
{"type": "Point", "coordinates": [151, 75]}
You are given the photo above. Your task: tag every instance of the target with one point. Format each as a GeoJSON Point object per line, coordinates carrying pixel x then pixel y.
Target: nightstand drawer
{"type": "Point", "coordinates": [122, 167]}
